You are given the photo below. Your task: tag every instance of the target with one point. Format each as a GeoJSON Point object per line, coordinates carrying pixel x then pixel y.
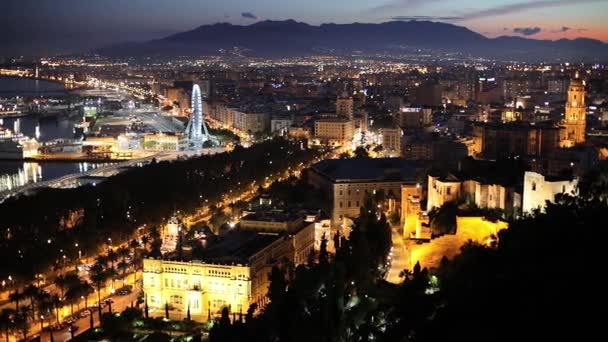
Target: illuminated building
{"type": "Point", "coordinates": [232, 272]}
{"type": "Point", "coordinates": [539, 189]}
{"type": "Point", "coordinates": [165, 142]}
{"type": "Point", "coordinates": [251, 122]}
{"type": "Point", "coordinates": [575, 117]}
{"type": "Point", "coordinates": [272, 221]}
{"type": "Point", "coordinates": [348, 181]}
{"type": "Point", "coordinates": [391, 141]}
{"type": "Point", "coordinates": [414, 221]}
{"type": "Point", "coordinates": [280, 125]}
{"type": "Point", "coordinates": [338, 130]}
{"type": "Point", "coordinates": [520, 138]}
{"type": "Point", "coordinates": [344, 107]}
{"type": "Point", "coordinates": [412, 118]}
{"type": "Point", "coordinates": [485, 193]}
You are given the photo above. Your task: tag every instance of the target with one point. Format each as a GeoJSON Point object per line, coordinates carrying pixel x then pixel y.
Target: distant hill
{"type": "Point", "coordinates": [290, 38]}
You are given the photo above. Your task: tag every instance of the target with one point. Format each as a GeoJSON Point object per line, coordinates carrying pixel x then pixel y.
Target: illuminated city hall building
{"type": "Point", "coordinates": [232, 273]}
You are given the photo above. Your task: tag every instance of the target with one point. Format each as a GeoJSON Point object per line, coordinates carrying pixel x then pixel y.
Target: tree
{"type": "Point", "coordinates": [31, 292]}
{"type": "Point", "coordinates": [122, 267]}
{"type": "Point", "coordinates": [62, 283]}
{"type": "Point", "coordinates": [123, 252]}
{"type": "Point", "coordinates": [134, 244]}
{"type": "Point", "coordinates": [98, 276]}
{"type": "Point", "coordinates": [276, 289]}
{"type": "Point", "coordinates": [112, 257]}
{"type": "Point", "coordinates": [85, 291]}
{"type": "Point", "coordinates": [22, 318]}
{"type": "Point", "coordinates": [361, 152]}
{"type": "Point", "coordinates": [7, 322]}
{"type": "Point", "coordinates": [323, 254]}
{"type": "Point", "coordinates": [16, 297]}
{"type": "Point", "coordinates": [57, 304]}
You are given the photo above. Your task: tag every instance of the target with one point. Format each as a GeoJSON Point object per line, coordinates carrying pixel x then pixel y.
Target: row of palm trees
{"type": "Point", "coordinates": [35, 304]}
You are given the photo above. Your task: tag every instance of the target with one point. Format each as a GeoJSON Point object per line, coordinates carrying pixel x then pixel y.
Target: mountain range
{"type": "Point", "coordinates": [291, 38]}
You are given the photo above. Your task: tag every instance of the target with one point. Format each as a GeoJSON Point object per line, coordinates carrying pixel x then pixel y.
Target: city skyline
{"type": "Point", "coordinates": [41, 27]}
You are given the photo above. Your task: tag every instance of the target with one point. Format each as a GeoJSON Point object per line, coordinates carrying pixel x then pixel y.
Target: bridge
{"type": "Point", "coordinates": [71, 179]}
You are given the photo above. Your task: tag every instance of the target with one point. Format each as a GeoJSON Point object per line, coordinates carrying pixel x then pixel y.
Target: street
{"type": "Point", "coordinates": [399, 256]}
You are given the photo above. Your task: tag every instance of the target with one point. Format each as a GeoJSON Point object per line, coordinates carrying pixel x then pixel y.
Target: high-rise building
{"type": "Point", "coordinates": [340, 130]}
{"type": "Point", "coordinates": [411, 118]}
{"type": "Point", "coordinates": [344, 107]}
{"type": "Point", "coordinates": [391, 141]}
{"type": "Point", "coordinates": [575, 116]}
{"type": "Point", "coordinates": [251, 122]}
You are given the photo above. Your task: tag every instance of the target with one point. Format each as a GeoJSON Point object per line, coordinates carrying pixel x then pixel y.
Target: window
{"type": "Point", "coordinates": [358, 204]}
{"type": "Point", "coordinates": [175, 299]}
{"type": "Point", "coordinates": [563, 188]}
{"type": "Point", "coordinates": [340, 204]}
{"type": "Point", "coordinates": [166, 282]}
{"type": "Point", "coordinates": [349, 204]}
{"type": "Point", "coordinates": [533, 186]}
{"type": "Point", "coordinates": [340, 192]}
{"type": "Point", "coordinates": [448, 190]}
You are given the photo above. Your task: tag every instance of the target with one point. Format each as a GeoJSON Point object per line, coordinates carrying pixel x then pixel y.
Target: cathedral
{"type": "Point", "coordinates": [521, 138]}
{"type": "Point", "coordinates": [573, 126]}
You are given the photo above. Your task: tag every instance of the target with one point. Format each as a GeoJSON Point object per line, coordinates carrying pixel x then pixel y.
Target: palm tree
{"type": "Point", "coordinates": [145, 240]}
{"type": "Point", "coordinates": [85, 290]}
{"type": "Point", "coordinates": [122, 268]}
{"type": "Point", "coordinates": [112, 257]}
{"type": "Point", "coordinates": [134, 245]}
{"type": "Point", "coordinates": [16, 297]}
{"type": "Point", "coordinates": [57, 305]}
{"type": "Point", "coordinates": [32, 292]}
{"type": "Point", "coordinates": [7, 322]}
{"type": "Point", "coordinates": [45, 306]}
{"type": "Point", "coordinates": [98, 276]}
{"type": "Point", "coordinates": [123, 252]}
{"type": "Point", "coordinates": [101, 260]}
{"type": "Point", "coordinates": [62, 284]}
{"type": "Point", "coordinates": [22, 320]}
{"type": "Point", "coordinates": [72, 296]}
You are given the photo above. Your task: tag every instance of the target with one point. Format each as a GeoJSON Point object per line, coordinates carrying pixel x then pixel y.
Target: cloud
{"type": "Point", "coordinates": [423, 17]}
{"type": "Point", "coordinates": [402, 4]}
{"type": "Point", "coordinates": [527, 31]}
{"type": "Point", "coordinates": [522, 7]}
{"type": "Point", "coordinates": [566, 29]}
{"type": "Point", "coordinates": [249, 15]}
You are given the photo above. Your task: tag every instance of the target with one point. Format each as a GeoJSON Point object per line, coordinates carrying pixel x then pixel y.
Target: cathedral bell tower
{"type": "Point", "coordinates": [574, 122]}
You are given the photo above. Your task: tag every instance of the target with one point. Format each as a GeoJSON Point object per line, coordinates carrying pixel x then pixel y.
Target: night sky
{"type": "Point", "coordinates": [47, 26]}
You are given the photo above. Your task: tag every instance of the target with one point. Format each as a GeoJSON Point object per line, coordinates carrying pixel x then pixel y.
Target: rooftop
{"type": "Point", "coordinates": [236, 247]}
{"type": "Point", "coordinates": [367, 169]}
{"type": "Point", "coordinates": [272, 216]}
